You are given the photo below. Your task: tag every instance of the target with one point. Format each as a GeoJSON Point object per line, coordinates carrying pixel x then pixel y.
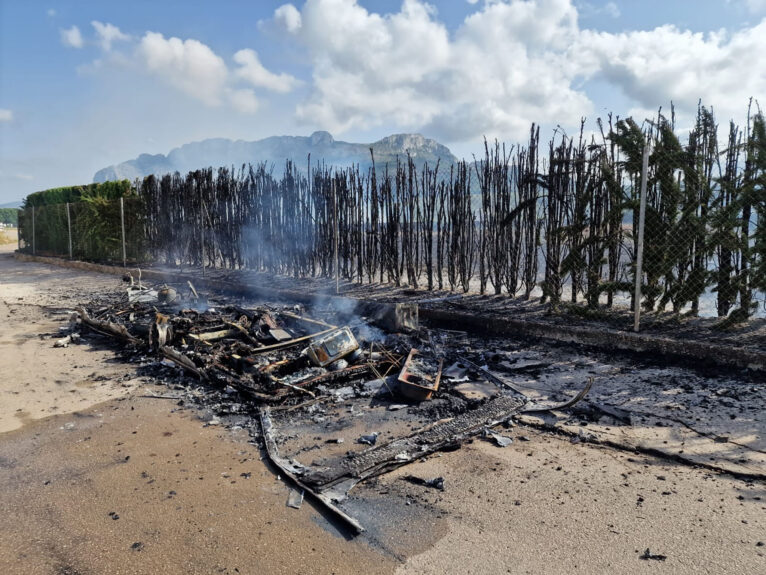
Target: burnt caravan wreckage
{"type": "Point", "coordinates": [309, 382]}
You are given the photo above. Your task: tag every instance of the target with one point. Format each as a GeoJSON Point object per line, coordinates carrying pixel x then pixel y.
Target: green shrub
{"type": "Point", "coordinates": [9, 216]}
{"type": "Point", "coordinates": [72, 194]}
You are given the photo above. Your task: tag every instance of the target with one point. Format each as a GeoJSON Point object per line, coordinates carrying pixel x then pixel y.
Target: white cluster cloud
{"type": "Point", "coordinates": [509, 63]}
{"type": "Point", "coordinates": [195, 69]}
{"type": "Point", "coordinates": [252, 71]}
{"type": "Point", "coordinates": [188, 65]}
{"type": "Point", "coordinates": [71, 37]}
{"type": "Point", "coordinates": [504, 66]}
{"type": "Point", "coordinates": [6, 115]}
{"type": "Point", "coordinates": [667, 64]}
{"type": "Point", "coordinates": [289, 17]}
{"type": "Point", "coordinates": [107, 34]}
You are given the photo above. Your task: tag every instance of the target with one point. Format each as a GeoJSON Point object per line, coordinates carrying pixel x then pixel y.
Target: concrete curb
{"type": "Point", "coordinates": [601, 338]}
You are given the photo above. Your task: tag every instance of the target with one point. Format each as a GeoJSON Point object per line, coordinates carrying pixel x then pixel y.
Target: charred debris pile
{"type": "Point", "coordinates": [322, 383]}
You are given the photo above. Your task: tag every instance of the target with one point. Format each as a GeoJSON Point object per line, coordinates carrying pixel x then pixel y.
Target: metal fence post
{"type": "Point", "coordinates": [640, 247]}
{"type": "Point", "coordinates": [34, 246]}
{"type": "Point", "coordinates": [202, 229]}
{"type": "Point", "coordinates": [69, 227]}
{"type": "Point", "coordinates": [335, 234]}
{"type": "Point", "coordinates": [122, 224]}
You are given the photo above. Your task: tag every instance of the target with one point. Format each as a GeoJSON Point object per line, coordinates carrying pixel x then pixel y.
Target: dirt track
{"type": "Point", "coordinates": [183, 505]}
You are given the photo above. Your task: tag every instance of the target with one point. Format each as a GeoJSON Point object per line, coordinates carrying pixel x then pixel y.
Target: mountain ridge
{"type": "Point", "coordinates": [321, 146]}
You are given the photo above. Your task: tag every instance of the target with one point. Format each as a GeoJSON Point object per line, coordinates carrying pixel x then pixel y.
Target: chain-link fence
{"type": "Point", "coordinates": [704, 226]}
{"type": "Point", "coordinates": [632, 216]}
{"type": "Point", "coordinates": [97, 230]}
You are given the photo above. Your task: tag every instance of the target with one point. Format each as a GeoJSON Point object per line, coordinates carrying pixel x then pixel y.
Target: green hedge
{"type": "Point", "coordinates": [94, 213]}
{"type": "Point", "coordinates": [72, 194]}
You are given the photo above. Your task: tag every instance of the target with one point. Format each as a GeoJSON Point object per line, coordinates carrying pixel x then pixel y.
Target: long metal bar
{"type": "Point", "coordinates": [289, 471]}
{"type": "Point", "coordinates": [202, 229]}
{"type": "Point", "coordinates": [122, 222]}
{"type": "Point", "coordinates": [69, 228]}
{"type": "Point", "coordinates": [336, 231]}
{"type": "Point", "coordinates": [291, 342]}
{"type": "Point", "coordinates": [640, 247]}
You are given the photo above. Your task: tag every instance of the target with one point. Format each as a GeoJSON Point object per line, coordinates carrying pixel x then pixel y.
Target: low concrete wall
{"type": "Point", "coordinates": [607, 339]}
{"type": "Point", "coordinates": [599, 337]}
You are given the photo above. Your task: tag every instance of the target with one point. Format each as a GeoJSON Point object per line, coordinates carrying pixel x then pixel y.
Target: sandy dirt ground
{"type": "Point", "coordinates": [38, 379]}
{"type": "Point", "coordinates": [98, 475]}
{"type": "Point", "coordinates": [544, 507]}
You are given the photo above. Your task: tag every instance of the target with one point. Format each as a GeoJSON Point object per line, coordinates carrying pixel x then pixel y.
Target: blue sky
{"type": "Point", "coordinates": [85, 84]}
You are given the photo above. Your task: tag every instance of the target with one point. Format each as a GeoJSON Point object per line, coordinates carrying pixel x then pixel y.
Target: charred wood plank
{"type": "Point", "coordinates": [183, 361]}
{"type": "Point", "coordinates": [243, 332]}
{"type": "Point", "coordinates": [106, 327]}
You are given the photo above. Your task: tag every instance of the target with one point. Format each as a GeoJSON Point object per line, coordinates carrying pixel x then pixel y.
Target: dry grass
{"type": "Point", "coordinates": [8, 236]}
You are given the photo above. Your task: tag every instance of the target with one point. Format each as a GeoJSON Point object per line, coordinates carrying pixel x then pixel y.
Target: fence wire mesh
{"type": "Point", "coordinates": [557, 222]}
{"type": "Point", "coordinates": [705, 221]}
{"type": "Point", "coordinates": [91, 230]}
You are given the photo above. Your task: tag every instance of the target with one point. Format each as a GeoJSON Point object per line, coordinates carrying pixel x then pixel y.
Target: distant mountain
{"type": "Point", "coordinates": [16, 204]}
{"type": "Point", "coordinates": [276, 150]}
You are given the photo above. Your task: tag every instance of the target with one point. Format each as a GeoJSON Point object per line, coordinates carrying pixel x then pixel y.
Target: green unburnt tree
{"type": "Point", "coordinates": [9, 216]}
{"type": "Point", "coordinates": [688, 246]}
{"type": "Point", "coordinates": [753, 197]}
{"type": "Point", "coordinates": [669, 223]}
{"type": "Point", "coordinates": [759, 197]}
{"type": "Point", "coordinates": [725, 222]}
{"type": "Point", "coordinates": [630, 140]}
{"type": "Point", "coordinates": [739, 222]}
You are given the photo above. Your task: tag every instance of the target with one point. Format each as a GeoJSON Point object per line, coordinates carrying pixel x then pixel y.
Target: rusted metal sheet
{"type": "Point", "coordinates": [415, 381]}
